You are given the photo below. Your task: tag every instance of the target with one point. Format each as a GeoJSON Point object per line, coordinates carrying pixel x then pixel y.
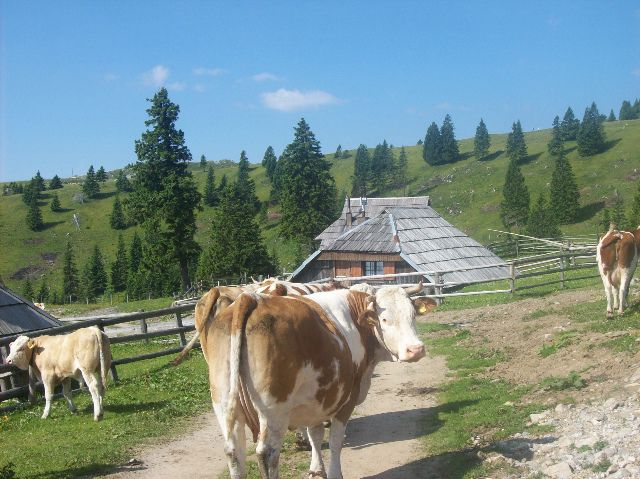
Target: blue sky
{"type": "Point", "coordinates": [75, 75]}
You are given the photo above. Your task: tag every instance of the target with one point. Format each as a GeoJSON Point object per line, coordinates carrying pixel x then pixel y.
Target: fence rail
{"type": "Point", "coordinates": [12, 379]}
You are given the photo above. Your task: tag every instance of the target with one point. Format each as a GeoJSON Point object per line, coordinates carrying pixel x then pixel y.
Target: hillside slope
{"type": "Point", "coordinates": [467, 193]}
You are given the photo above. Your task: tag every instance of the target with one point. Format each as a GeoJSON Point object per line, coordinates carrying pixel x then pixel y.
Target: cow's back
{"type": "Point", "coordinates": [66, 354]}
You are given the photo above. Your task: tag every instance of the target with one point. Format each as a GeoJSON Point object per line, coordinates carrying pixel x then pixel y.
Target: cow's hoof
{"type": "Point", "coordinates": [313, 475]}
{"type": "Point", "coordinates": [98, 418]}
{"type": "Point", "coordinates": [609, 314]}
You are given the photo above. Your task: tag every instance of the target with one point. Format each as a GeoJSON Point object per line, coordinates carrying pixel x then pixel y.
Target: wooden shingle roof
{"type": "Point", "coordinates": [18, 315]}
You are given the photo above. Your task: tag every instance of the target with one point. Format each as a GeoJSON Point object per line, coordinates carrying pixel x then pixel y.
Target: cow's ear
{"type": "Point", "coordinates": [31, 344]}
{"type": "Point", "coordinates": [424, 305]}
{"type": "Point", "coordinates": [371, 303]}
{"type": "Point", "coordinates": [371, 319]}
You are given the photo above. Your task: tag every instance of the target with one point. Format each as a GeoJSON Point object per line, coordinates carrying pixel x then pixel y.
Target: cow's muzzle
{"type": "Point", "coordinates": [413, 353]}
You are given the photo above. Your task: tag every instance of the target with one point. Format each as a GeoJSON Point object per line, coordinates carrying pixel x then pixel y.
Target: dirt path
{"type": "Point", "coordinates": [382, 437]}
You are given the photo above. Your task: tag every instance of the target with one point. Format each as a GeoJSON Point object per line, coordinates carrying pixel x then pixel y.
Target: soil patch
{"type": "Point", "coordinates": [30, 272]}
{"type": "Point", "coordinates": [49, 258]}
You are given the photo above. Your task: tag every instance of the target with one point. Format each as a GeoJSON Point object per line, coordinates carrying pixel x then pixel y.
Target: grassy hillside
{"type": "Point", "coordinates": [467, 193]}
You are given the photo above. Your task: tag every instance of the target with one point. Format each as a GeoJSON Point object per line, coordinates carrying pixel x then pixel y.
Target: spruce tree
{"type": "Point", "coordinates": [34, 216]}
{"type": "Point", "coordinates": [617, 211]}
{"type": "Point", "coordinates": [55, 183]}
{"type": "Point", "coordinates": [542, 222]}
{"type": "Point", "coordinates": [556, 144]}
{"type": "Point", "coordinates": [338, 154]}
{"type": "Point", "coordinates": [120, 267]}
{"type": "Point", "coordinates": [123, 185]}
{"type": "Point", "coordinates": [481, 141]}
{"type": "Point", "coordinates": [626, 111]}
{"type": "Point", "coordinates": [27, 290]}
{"type": "Point", "coordinates": [565, 195]}
{"type": "Point", "coordinates": [94, 277]}
{"type": "Point", "coordinates": [70, 284]}
{"type": "Point", "coordinates": [39, 182]}
{"type": "Point", "coordinates": [223, 185]}
{"type": "Point", "coordinates": [269, 162]}
{"type": "Point", "coordinates": [401, 169]}
{"type": "Point", "coordinates": [245, 186]}
{"type": "Point", "coordinates": [135, 276]}
{"type": "Point", "coordinates": [235, 245]}
{"type": "Point", "coordinates": [101, 175]}
{"type": "Point", "coordinates": [382, 163]}
{"type": "Point", "coordinates": [43, 292]}
{"type": "Point", "coordinates": [516, 146]}
{"type": "Point", "coordinates": [90, 187]}
{"type": "Point", "coordinates": [591, 137]}
{"type": "Point", "coordinates": [570, 126]}
{"type": "Point", "coordinates": [210, 193]}
{"type": "Point", "coordinates": [605, 221]}
{"type": "Point", "coordinates": [30, 193]}
{"type": "Point", "coordinates": [514, 209]}
{"type": "Point", "coordinates": [449, 145]}
{"type": "Point", "coordinates": [634, 214]}
{"type": "Point", "coordinates": [308, 191]}
{"type": "Point", "coordinates": [361, 172]}
{"type": "Point", "coordinates": [612, 116]}
{"type": "Point", "coordinates": [164, 189]}
{"type": "Point", "coordinates": [203, 162]}
{"type": "Point", "coordinates": [432, 146]}
{"type": "Point", "coordinates": [117, 219]}
{"type": "Point", "coordinates": [55, 203]}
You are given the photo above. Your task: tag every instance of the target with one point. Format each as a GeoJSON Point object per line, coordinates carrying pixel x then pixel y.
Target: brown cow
{"type": "Point", "coordinates": [57, 359]}
{"type": "Point", "coordinates": [285, 362]}
{"type": "Point", "coordinates": [617, 257]}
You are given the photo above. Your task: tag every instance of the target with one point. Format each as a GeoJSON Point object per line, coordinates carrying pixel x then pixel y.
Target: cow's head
{"type": "Point", "coordinates": [20, 352]}
{"type": "Point", "coordinates": [396, 323]}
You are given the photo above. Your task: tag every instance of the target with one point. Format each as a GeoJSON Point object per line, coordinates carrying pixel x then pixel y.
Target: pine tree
{"type": "Point", "coordinates": [235, 245]}
{"type": "Point", "coordinates": [382, 163]}
{"type": "Point", "coordinates": [617, 212]}
{"type": "Point", "coordinates": [612, 116]}
{"type": "Point", "coordinates": [516, 146]}
{"type": "Point", "coordinates": [55, 203]}
{"type": "Point", "coordinates": [156, 277]}
{"type": "Point", "coordinates": [27, 290]}
{"type": "Point", "coordinates": [94, 277]}
{"type": "Point", "coordinates": [482, 141]}
{"type": "Point", "coordinates": [565, 196]}
{"type": "Point", "coordinates": [569, 126]}
{"type": "Point", "coordinates": [634, 215]}
{"type": "Point", "coordinates": [135, 276]}
{"type": "Point", "coordinates": [43, 292]}
{"type": "Point", "coordinates": [34, 216]}
{"type": "Point", "coordinates": [338, 154]}
{"type": "Point", "coordinates": [605, 221]}
{"type": "Point", "coordinates": [432, 146]}
{"type": "Point", "coordinates": [626, 111]}
{"type": "Point", "coordinates": [361, 172]}
{"type": "Point", "coordinates": [117, 219]}
{"type": "Point", "coordinates": [90, 187]}
{"type": "Point", "coordinates": [308, 191]}
{"type": "Point", "coordinates": [542, 222]}
{"type": "Point", "coordinates": [269, 162]}
{"type": "Point", "coordinates": [123, 185]}
{"type": "Point", "coordinates": [101, 175]}
{"type": "Point", "coordinates": [210, 192]}
{"type": "Point", "coordinates": [245, 186]}
{"type": "Point", "coordinates": [39, 182]}
{"type": "Point", "coordinates": [203, 162]}
{"type": "Point", "coordinates": [55, 183]}
{"type": "Point", "coordinates": [556, 144]}
{"type": "Point", "coordinates": [164, 189]}
{"type": "Point", "coordinates": [30, 193]}
{"type": "Point", "coordinates": [591, 137]}
{"type": "Point", "coordinates": [514, 209]}
{"type": "Point", "coordinates": [223, 185]}
{"type": "Point", "coordinates": [69, 274]}
{"type": "Point", "coordinates": [449, 152]}
{"type": "Point", "coordinates": [119, 268]}
{"type": "Point", "coordinates": [401, 169]}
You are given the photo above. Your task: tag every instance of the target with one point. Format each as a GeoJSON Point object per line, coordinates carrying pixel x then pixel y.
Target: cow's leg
{"type": "Point", "coordinates": [316, 434]}
{"type": "Point", "coordinates": [625, 281]}
{"type": "Point", "coordinates": [48, 394]}
{"type": "Point", "coordinates": [608, 292]}
{"type": "Point", "coordinates": [269, 446]}
{"type": "Point", "coordinates": [235, 443]}
{"type": "Point", "coordinates": [336, 439]}
{"type": "Point", "coordinates": [66, 392]}
{"type": "Point", "coordinates": [92, 384]}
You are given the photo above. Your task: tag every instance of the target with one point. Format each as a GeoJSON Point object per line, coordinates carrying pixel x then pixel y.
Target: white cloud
{"type": "Point", "coordinates": [212, 72]}
{"type": "Point", "coordinates": [265, 76]}
{"type": "Point", "coordinates": [636, 72]}
{"type": "Point", "coordinates": [156, 77]}
{"type": "Point", "coordinates": [290, 100]}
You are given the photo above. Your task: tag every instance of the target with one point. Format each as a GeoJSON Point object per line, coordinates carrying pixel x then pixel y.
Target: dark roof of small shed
{"type": "Point", "coordinates": [18, 315]}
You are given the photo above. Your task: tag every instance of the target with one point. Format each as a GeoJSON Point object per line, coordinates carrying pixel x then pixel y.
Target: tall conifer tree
{"type": "Point", "coordinates": [117, 219]}
{"type": "Point", "coordinates": [246, 187]}
{"type": "Point", "coordinates": [69, 274]}
{"type": "Point", "coordinates": [432, 146]}
{"type": "Point", "coordinates": [481, 141]}
{"type": "Point", "coordinates": [570, 126]}
{"type": "Point", "coordinates": [210, 191]}
{"type": "Point", "coordinates": [514, 209]}
{"type": "Point", "coordinates": [449, 146]}
{"type": "Point", "coordinates": [361, 172]}
{"type": "Point", "coordinates": [565, 196]}
{"type": "Point", "coordinates": [120, 267]}
{"type": "Point", "coordinates": [269, 162]}
{"type": "Point", "coordinates": [516, 145]}
{"type": "Point", "coordinates": [634, 214]}
{"type": "Point", "coordinates": [34, 216]}
{"type": "Point", "coordinates": [556, 144]}
{"type": "Point", "coordinates": [542, 222]}
{"type": "Point", "coordinates": [55, 183]}
{"type": "Point", "coordinates": [591, 137]}
{"type": "Point", "coordinates": [90, 187]}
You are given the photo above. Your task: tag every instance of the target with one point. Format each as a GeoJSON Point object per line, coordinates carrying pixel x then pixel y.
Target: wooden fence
{"type": "Point", "coordinates": [12, 379]}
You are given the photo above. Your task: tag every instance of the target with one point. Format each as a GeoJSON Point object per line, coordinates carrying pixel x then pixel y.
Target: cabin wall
{"type": "Point", "coordinates": [352, 267]}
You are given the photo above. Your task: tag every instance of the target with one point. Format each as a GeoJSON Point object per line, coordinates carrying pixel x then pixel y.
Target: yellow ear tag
{"type": "Point", "coordinates": [31, 344]}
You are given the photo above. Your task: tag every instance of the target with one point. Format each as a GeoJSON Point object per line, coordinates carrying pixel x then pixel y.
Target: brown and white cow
{"type": "Point", "coordinates": [617, 257]}
{"type": "Point", "coordinates": [228, 294]}
{"type": "Point", "coordinates": [58, 359]}
{"type": "Point", "coordinates": [285, 362]}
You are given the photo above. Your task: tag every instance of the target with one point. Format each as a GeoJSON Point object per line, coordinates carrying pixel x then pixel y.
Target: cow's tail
{"type": "Point", "coordinates": [244, 306]}
{"type": "Point", "coordinates": [204, 311]}
{"type": "Point", "coordinates": [104, 349]}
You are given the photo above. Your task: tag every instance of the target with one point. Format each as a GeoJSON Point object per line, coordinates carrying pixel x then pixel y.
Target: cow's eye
{"type": "Point", "coordinates": [384, 320]}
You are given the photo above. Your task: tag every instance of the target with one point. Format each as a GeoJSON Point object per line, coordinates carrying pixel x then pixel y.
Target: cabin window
{"type": "Point", "coordinates": [371, 268]}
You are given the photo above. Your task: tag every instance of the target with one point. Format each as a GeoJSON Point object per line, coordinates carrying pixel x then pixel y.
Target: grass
{"type": "Point", "coordinates": [562, 340]}
{"type": "Point", "coordinates": [572, 381]}
{"type": "Point", "coordinates": [147, 404]}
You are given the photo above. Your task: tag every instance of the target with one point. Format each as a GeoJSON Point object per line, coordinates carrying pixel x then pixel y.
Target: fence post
{"type": "Point", "coordinates": [183, 340]}
{"type": "Point", "coordinates": [438, 287]}
{"type": "Point", "coordinates": [561, 259]}
{"type": "Point", "coordinates": [143, 329]}
{"type": "Point", "coordinates": [512, 277]}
